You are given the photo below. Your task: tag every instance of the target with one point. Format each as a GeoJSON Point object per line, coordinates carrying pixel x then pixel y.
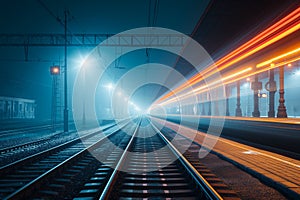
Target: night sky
{"type": "Point", "coordinates": [225, 24]}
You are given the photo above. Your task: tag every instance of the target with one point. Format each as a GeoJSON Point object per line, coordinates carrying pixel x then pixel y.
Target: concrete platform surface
{"type": "Point", "coordinates": [279, 171]}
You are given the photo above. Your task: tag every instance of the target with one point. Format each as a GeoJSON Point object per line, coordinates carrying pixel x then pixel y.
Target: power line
{"type": "Point", "coordinates": [50, 12]}
{"type": "Point", "coordinates": [155, 13]}
{"type": "Point", "coordinates": [57, 18]}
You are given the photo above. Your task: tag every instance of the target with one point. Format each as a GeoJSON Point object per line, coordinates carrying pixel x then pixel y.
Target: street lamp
{"type": "Point", "coordinates": [297, 73]}
{"type": "Point", "coordinates": [110, 86]}
{"type": "Point", "coordinates": [264, 96]}
{"type": "Point", "coordinates": [84, 96]}
{"type": "Point", "coordinates": [83, 62]}
{"type": "Point", "coordinates": [281, 113]}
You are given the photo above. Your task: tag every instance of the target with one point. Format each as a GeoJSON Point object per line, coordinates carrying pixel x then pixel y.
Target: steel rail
{"type": "Point", "coordinates": [32, 185]}
{"type": "Point", "coordinates": [112, 179]}
{"type": "Point", "coordinates": [209, 191]}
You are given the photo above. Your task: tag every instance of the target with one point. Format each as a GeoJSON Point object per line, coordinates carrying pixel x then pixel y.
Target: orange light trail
{"type": "Point", "coordinates": [275, 39]}
{"type": "Point", "coordinates": [207, 87]}
{"type": "Point", "coordinates": [226, 78]}
{"type": "Point", "coordinates": [274, 33]}
{"type": "Point", "coordinates": [268, 62]}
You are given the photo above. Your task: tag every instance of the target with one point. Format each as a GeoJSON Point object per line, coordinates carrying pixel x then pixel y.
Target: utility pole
{"type": "Point", "coordinates": [66, 111]}
{"type": "Point", "coordinates": [55, 72]}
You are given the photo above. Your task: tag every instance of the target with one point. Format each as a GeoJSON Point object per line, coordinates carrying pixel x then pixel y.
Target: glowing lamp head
{"type": "Point", "coordinates": [264, 95]}
{"type": "Point", "coordinates": [55, 70]}
{"type": "Point", "coordinates": [110, 86]}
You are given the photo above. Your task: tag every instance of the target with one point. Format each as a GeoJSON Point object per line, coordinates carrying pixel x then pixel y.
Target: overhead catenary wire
{"type": "Point", "coordinates": [152, 23]}
{"type": "Point", "coordinates": [58, 19]}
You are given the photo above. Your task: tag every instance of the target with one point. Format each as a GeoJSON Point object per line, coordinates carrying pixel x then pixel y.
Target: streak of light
{"type": "Point", "coordinates": [209, 85]}
{"type": "Point", "coordinates": [268, 62]}
{"type": "Point", "coordinates": [238, 73]}
{"type": "Point", "coordinates": [207, 88]}
{"type": "Point", "coordinates": [110, 86]}
{"type": "Point", "coordinates": [284, 63]}
{"type": "Point", "coordinates": [274, 33]}
{"type": "Point", "coordinates": [203, 76]}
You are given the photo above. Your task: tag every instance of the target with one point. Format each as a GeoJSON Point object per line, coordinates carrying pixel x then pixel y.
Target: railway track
{"type": "Point", "coordinates": [27, 174]}
{"type": "Point", "coordinates": [7, 153]}
{"type": "Point", "coordinates": [138, 163]}
{"type": "Point", "coordinates": [191, 153]}
{"type": "Point", "coordinates": [26, 130]}
{"type": "Point", "coordinates": [45, 129]}
{"type": "Point", "coordinates": [165, 174]}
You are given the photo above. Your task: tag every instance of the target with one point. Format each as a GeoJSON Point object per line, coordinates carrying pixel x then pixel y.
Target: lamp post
{"type": "Point", "coordinates": [209, 104]}
{"type": "Point", "coordinates": [271, 87]}
{"type": "Point", "coordinates": [248, 96]}
{"type": "Point", "coordinates": [256, 86]}
{"type": "Point", "coordinates": [216, 102]}
{"type": "Point", "coordinates": [66, 110]}
{"type": "Point", "coordinates": [203, 104]}
{"type": "Point", "coordinates": [110, 87]}
{"type": "Point", "coordinates": [281, 108]}
{"type": "Point", "coordinates": [263, 96]}
{"type": "Point", "coordinates": [238, 110]}
{"type": "Point", "coordinates": [84, 96]}
{"type": "Point", "coordinates": [227, 100]}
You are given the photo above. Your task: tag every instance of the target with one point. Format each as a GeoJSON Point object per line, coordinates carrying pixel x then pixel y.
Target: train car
{"type": "Point", "coordinates": [17, 108]}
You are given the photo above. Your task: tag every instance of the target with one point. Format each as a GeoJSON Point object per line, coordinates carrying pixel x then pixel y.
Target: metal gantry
{"type": "Point", "coordinates": [80, 39]}
{"type": "Point", "coordinates": [91, 40]}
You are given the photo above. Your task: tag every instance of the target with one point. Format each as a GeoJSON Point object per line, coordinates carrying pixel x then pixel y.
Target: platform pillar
{"type": "Point", "coordinates": [183, 109]}
{"type": "Point", "coordinates": [271, 87]}
{"type": "Point", "coordinates": [256, 86]}
{"type": "Point", "coordinates": [216, 104]}
{"type": "Point", "coordinates": [190, 109]}
{"type": "Point", "coordinates": [227, 100]}
{"type": "Point", "coordinates": [281, 113]}
{"type": "Point", "coordinates": [238, 110]}
{"type": "Point", "coordinates": [203, 104]}
{"type": "Point", "coordinates": [209, 105]}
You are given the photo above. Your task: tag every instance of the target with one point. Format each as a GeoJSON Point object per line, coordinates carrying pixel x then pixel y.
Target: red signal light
{"type": "Point", "coordinates": [54, 70]}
